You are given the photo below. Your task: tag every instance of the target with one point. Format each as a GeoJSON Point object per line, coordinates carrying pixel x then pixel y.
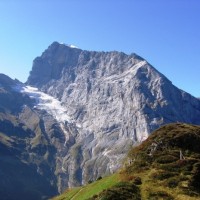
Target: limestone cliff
{"type": "Point", "coordinates": [113, 100]}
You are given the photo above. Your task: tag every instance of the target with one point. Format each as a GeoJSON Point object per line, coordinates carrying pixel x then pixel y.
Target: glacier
{"type": "Point", "coordinates": [46, 102]}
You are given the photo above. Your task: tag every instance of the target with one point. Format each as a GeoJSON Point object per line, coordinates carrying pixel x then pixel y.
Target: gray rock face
{"type": "Point", "coordinates": [113, 100]}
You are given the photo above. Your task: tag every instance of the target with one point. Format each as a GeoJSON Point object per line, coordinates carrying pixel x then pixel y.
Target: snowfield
{"type": "Point", "coordinates": [46, 102]}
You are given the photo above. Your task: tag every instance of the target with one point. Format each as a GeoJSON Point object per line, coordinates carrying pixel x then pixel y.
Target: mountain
{"type": "Point", "coordinates": [78, 115]}
{"type": "Point", "coordinates": [165, 166]}
{"type": "Point", "coordinates": [113, 100]}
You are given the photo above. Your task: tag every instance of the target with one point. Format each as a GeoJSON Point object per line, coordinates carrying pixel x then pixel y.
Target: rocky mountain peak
{"type": "Point", "coordinates": [51, 63]}
{"type": "Point", "coordinates": [85, 110]}
{"type": "Point", "coordinates": [114, 101]}
{"type": "Point", "coordinates": [59, 59]}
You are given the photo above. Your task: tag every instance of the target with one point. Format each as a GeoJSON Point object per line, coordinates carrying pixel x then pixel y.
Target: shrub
{"type": "Point", "coordinates": [121, 191]}
{"type": "Point", "coordinates": [173, 182]}
{"type": "Point", "coordinates": [99, 178]}
{"type": "Point", "coordinates": [137, 181]}
{"type": "Point", "coordinates": [157, 195]}
{"type": "Point", "coordinates": [166, 159]}
{"type": "Point", "coordinates": [161, 175]}
{"type": "Point", "coordinates": [195, 181]}
{"type": "Point", "coordinates": [90, 181]}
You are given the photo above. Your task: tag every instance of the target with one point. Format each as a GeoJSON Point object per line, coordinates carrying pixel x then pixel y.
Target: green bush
{"type": "Point", "coordinates": [137, 181]}
{"type": "Point", "coordinates": [195, 181]}
{"type": "Point", "coordinates": [160, 195]}
{"type": "Point", "coordinates": [121, 191]}
{"type": "Point", "coordinates": [173, 182]}
{"type": "Point", "coordinates": [166, 159]}
{"type": "Point", "coordinates": [90, 181]}
{"type": "Point", "coordinates": [163, 175]}
{"type": "Point", "coordinates": [99, 178]}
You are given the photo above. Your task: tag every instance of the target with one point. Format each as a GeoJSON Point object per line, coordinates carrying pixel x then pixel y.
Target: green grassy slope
{"type": "Point", "coordinates": [89, 190]}
{"type": "Point", "coordinates": [165, 166]}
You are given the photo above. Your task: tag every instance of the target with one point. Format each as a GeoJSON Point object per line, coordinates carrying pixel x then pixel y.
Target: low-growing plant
{"type": "Point", "coordinates": [157, 195]}
{"type": "Point", "coordinates": [172, 182]}
{"type": "Point", "coordinates": [99, 178]}
{"type": "Point", "coordinates": [121, 191]}
{"type": "Point", "coordinates": [195, 181]}
{"type": "Point", "coordinates": [90, 181]}
{"type": "Point", "coordinates": [137, 181]}
{"type": "Point", "coordinates": [164, 159]}
{"type": "Point", "coordinates": [161, 175]}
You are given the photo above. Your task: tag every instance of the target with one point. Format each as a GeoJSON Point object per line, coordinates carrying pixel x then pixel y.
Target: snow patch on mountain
{"type": "Point", "coordinates": [73, 46]}
{"type": "Point", "coordinates": [46, 102]}
{"type": "Point", "coordinates": [70, 45]}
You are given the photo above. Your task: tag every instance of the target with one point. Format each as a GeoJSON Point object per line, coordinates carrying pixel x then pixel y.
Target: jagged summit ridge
{"type": "Point", "coordinates": [67, 57]}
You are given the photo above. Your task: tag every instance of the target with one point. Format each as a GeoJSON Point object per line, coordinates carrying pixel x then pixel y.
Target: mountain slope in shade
{"type": "Point", "coordinates": [35, 128]}
{"type": "Point", "coordinates": [114, 100]}
{"type": "Point", "coordinates": [27, 163]}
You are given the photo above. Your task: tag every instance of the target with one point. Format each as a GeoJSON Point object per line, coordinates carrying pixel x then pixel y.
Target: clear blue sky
{"type": "Point", "coordinates": [165, 32]}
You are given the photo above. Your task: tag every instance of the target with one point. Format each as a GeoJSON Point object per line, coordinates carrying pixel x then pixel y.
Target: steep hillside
{"type": "Point", "coordinates": [27, 155]}
{"type": "Point", "coordinates": [165, 166]}
{"type": "Point", "coordinates": [113, 100]}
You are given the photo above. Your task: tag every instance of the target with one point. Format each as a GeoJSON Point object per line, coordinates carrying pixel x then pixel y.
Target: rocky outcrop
{"type": "Point", "coordinates": [113, 100]}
